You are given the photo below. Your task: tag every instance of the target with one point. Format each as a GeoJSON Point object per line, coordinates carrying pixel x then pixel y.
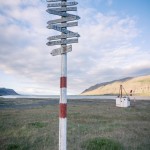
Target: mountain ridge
{"type": "Point", "coordinates": [105, 83]}
{"type": "Point", "coordinates": [5, 91]}
{"type": "Point", "coordinates": [139, 85]}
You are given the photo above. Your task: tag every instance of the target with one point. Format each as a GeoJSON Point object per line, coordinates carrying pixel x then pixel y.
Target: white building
{"type": "Point", "coordinates": [123, 102]}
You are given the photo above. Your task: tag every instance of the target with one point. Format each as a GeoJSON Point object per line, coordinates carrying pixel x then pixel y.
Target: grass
{"type": "Point", "coordinates": [92, 125]}
{"type": "Point", "coordinates": [37, 124]}
{"type": "Point", "coordinates": [101, 144]}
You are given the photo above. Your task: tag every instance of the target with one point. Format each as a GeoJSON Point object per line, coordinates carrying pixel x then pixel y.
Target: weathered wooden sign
{"type": "Point", "coordinates": [64, 9]}
{"type": "Point", "coordinates": [59, 13]}
{"type": "Point", "coordinates": [53, 0]}
{"type": "Point", "coordinates": [63, 30]}
{"type": "Point", "coordinates": [60, 8]}
{"type": "Point", "coordinates": [62, 4]}
{"type": "Point", "coordinates": [62, 25]}
{"type": "Point", "coordinates": [63, 36]}
{"type": "Point", "coordinates": [63, 41]}
{"type": "Point", "coordinates": [71, 18]}
{"type": "Point", "coordinates": [62, 50]}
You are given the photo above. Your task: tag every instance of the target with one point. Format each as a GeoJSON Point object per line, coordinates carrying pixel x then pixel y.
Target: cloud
{"type": "Point", "coordinates": [105, 50]}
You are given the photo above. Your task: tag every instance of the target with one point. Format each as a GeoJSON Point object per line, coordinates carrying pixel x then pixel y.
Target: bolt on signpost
{"type": "Point", "coordinates": [60, 8]}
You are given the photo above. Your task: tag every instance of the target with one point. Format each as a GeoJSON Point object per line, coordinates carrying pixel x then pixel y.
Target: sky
{"type": "Point", "coordinates": [114, 43]}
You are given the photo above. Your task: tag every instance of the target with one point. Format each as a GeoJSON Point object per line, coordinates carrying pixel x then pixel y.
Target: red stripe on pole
{"type": "Point", "coordinates": [63, 110]}
{"type": "Point", "coordinates": [63, 82]}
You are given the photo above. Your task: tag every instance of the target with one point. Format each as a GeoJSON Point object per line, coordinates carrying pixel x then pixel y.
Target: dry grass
{"type": "Point", "coordinates": [37, 128]}
{"type": "Point", "coordinates": [139, 85]}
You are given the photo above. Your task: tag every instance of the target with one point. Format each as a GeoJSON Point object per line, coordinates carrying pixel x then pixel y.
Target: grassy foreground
{"type": "Point", "coordinates": [92, 125]}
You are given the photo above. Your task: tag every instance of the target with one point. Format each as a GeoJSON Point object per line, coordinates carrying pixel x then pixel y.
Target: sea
{"type": "Point", "coordinates": [57, 96]}
{"type": "Point", "coordinates": [75, 97]}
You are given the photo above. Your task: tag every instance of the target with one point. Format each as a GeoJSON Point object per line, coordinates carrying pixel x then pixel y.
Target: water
{"type": "Point", "coordinates": [73, 97]}
{"type": "Point", "coordinates": [57, 97]}
{"type": "Point", "coordinates": [35, 101]}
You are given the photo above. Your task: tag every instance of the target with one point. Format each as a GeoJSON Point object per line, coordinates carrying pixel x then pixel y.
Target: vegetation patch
{"type": "Point", "coordinates": [101, 144]}
{"type": "Point", "coordinates": [38, 124]}
{"type": "Point", "coordinates": [13, 147]}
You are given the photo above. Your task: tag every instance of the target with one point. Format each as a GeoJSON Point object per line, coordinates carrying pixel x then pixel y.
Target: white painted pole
{"type": "Point", "coordinates": [61, 10]}
{"type": "Point", "coordinates": [63, 101]}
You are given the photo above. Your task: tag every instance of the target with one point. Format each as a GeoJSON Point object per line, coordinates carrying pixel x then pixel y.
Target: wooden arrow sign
{"type": "Point", "coordinates": [62, 4]}
{"type": "Point", "coordinates": [59, 13]}
{"type": "Point", "coordinates": [71, 18]}
{"type": "Point", "coordinates": [60, 8]}
{"type": "Point", "coordinates": [61, 42]}
{"type": "Point", "coordinates": [63, 30]}
{"type": "Point", "coordinates": [62, 25]}
{"type": "Point", "coordinates": [65, 9]}
{"type": "Point", "coordinates": [63, 36]}
{"type": "Point", "coordinates": [53, 43]}
{"type": "Point", "coordinates": [69, 41]}
{"type": "Point", "coordinates": [53, 0]}
{"type": "Point", "coordinates": [62, 50]}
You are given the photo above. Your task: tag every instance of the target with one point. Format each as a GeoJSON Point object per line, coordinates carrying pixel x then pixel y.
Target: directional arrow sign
{"type": "Point", "coordinates": [69, 41]}
{"type": "Point", "coordinates": [62, 4]}
{"type": "Point", "coordinates": [65, 9]}
{"type": "Point", "coordinates": [53, 43]}
{"type": "Point", "coordinates": [62, 25]}
{"type": "Point", "coordinates": [53, 0]}
{"type": "Point", "coordinates": [62, 50]}
{"type": "Point", "coordinates": [63, 41]}
{"type": "Point", "coordinates": [71, 24]}
{"type": "Point", "coordinates": [71, 18]}
{"type": "Point", "coordinates": [63, 36]}
{"type": "Point", "coordinates": [59, 13]}
{"type": "Point", "coordinates": [57, 28]}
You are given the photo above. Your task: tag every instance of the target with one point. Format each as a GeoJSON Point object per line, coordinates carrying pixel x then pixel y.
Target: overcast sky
{"type": "Point", "coordinates": [114, 43]}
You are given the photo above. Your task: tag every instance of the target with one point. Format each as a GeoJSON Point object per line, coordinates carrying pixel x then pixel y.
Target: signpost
{"type": "Point", "coordinates": [62, 4]}
{"type": "Point", "coordinates": [61, 50]}
{"type": "Point", "coordinates": [65, 19]}
{"type": "Point", "coordinates": [65, 9]}
{"type": "Point", "coordinates": [61, 29]}
{"type": "Point", "coordinates": [53, 0]}
{"type": "Point", "coordinates": [60, 8]}
{"type": "Point", "coordinates": [71, 24]}
{"type": "Point", "coordinates": [59, 13]}
{"type": "Point", "coordinates": [63, 41]}
{"type": "Point", "coordinates": [63, 36]}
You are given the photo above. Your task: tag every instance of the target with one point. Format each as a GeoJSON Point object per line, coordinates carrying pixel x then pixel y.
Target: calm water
{"type": "Point", "coordinates": [73, 97]}
{"type": "Point", "coordinates": [57, 96]}
{"type": "Point", "coordinates": [35, 101]}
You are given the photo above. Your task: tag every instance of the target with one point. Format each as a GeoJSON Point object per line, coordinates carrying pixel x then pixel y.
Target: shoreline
{"type": "Point", "coordinates": [30, 103]}
{"type": "Point", "coordinates": [72, 97]}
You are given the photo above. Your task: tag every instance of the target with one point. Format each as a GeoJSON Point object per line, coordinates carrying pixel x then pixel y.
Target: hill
{"type": "Point", "coordinates": [139, 85]}
{"type": "Point", "coordinates": [4, 91]}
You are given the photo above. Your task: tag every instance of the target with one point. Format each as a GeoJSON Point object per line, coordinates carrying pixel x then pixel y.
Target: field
{"type": "Point", "coordinates": [32, 124]}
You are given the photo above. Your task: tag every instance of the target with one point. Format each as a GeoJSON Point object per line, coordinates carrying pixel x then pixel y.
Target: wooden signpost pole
{"type": "Point", "coordinates": [60, 8]}
{"type": "Point", "coordinates": [63, 99]}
